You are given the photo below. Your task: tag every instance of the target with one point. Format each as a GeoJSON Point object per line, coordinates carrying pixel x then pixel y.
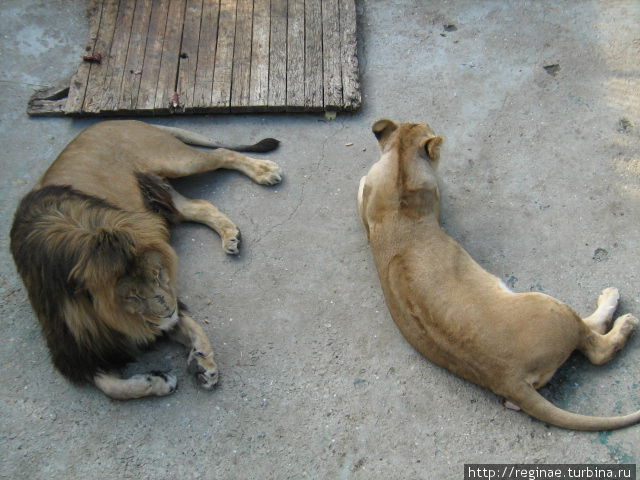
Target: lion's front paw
{"type": "Point", "coordinates": [267, 173]}
{"type": "Point", "coordinates": [204, 367]}
{"type": "Point", "coordinates": [160, 383]}
{"type": "Point", "coordinates": [231, 244]}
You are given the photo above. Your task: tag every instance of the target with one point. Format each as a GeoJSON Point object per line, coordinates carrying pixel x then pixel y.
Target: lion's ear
{"type": "Point", "coordinates": [383, 129]}
{"type": "Point", "coordinates": [113, 244]}
{"type": "Point", "coordinates": [105, 258]}
{"type": "Point", "coordinates": [114, 249]}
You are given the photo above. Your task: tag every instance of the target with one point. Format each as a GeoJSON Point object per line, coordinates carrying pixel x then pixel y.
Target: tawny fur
{"type": "Point", "coordinates": [91, 242]}
{"type": "Point", "coordinates": [453, 311]}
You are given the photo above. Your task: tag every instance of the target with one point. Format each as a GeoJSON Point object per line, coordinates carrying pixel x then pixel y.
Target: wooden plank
{"type": "Point", "coordinates": [153, 55]}
{"type": "Point", "coordinates": [313, 55]}
{"type": "Point", "coordinates": [349, 54]}
{"type": "Point", "coordinates": [241, 73]}
{"type": "Point", "coordinates": [278, 56]}
{"type": "Point", "coordinates": [206, 54]}
{"type": "Point", "coordinates": [170, 56]}
{"type": "Point", "coordinates": [189, 53]}
{"type": "Point", "coordinates": [332, 68]}
{"type": "Point", "coordinates": [46, 108]}
{"type": "Point", "coordinates": [295, 55]}
{"type": "Point", "coordinates": [95, 84]}
{"type": "Point", "coordinates": [114, 68]}
{"type": "Point", "coordinates": [221, 93]}
{"type": "Point", "coordinates": [219, 55]}
{"type": "Point", "coordinates": [78, 85]}
{"type": "Point", "coordinates": [135, 56]}
{"type": "Point", "coordinates": [259, 87]}
{"type": "Point", "coordinates": [50, 101]}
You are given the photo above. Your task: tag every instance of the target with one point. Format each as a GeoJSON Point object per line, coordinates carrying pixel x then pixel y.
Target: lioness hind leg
{"type": "Point", "coordinates": [600, 319]}
{"type": "Point", "coordinates": [601, 348]}
{"type": "Point", "coordinates": [138, 386]}
{"type": "Point", "coordinates": [204, 212]}
{"type": "Point", "coordinates": [201, 359]}
{"type": "Point", "coordinates": [192, 160]}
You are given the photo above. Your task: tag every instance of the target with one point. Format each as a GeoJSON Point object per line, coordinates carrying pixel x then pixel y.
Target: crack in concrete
{"type": "Point", "coordinates": [315, 170]}
{"type": "Point", "coordinates": [294, 211]}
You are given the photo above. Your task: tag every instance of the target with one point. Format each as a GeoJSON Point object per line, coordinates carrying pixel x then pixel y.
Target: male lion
{"type": "Point", "coordinates": [91, 244]}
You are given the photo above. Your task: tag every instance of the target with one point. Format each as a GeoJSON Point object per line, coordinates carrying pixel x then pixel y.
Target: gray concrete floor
{"type": "Point", "coordinates": [541, 183]}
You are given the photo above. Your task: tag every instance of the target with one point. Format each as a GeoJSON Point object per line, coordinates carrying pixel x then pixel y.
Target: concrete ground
{"type": "Point", "coordinates": [539, 104]}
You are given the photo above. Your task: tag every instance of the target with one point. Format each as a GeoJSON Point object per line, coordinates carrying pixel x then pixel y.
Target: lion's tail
{"type": "Point", "coordinates": [192, 138]}
{"type": "Point", "coordinates": [539, 407]}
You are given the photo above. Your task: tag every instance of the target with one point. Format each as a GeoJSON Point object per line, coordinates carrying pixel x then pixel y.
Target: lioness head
{"type": "Point", "coordinates": [403, 180]}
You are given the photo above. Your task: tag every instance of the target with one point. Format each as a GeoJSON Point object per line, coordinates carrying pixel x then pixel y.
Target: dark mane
{"type": "Point", "coordinates": [157, 197]}
{"type": "Point", "coordinates": [62, 240]}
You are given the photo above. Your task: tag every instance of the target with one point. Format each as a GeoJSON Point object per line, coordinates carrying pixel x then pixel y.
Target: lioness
{"type": "Point", "coordinates": [91, 244]}
{"type": "Point", "coordinates": [454, 312]}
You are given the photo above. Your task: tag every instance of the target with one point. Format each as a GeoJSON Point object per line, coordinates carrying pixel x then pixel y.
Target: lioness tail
{"type": "Point", "coordinates": [539, 407]}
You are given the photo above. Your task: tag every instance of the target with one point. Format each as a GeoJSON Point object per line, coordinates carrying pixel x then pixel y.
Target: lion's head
{"type": "Point", "coordinates": [129, 273]}
{"type": "Point", "coordinates": [146, 289]}
{"type": "Point", "coordinates": [104, 275]}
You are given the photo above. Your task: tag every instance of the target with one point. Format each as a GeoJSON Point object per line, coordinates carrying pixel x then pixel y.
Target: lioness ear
{"type": "Point", "coordinates": [432, 147]}
{"type": "Point", "coordinates": [382, 129]}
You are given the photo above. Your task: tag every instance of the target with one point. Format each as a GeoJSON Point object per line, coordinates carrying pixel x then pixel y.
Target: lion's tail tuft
{"type": "Point", "coordinates": [192, 138]}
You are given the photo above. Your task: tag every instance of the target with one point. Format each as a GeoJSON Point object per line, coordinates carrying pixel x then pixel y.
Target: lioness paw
{"type": "Point", "coordinates": [628, 324]}
{"type": "Point", "coordinates": [610, 296]}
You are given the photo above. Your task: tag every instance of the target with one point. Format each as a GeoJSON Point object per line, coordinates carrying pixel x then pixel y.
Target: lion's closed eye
{"type": "Point", "coordinates": [162, 278]}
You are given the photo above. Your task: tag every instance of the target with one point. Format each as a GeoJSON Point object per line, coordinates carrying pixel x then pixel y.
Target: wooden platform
{"type": "Point", "coordinates": [200, 56]}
